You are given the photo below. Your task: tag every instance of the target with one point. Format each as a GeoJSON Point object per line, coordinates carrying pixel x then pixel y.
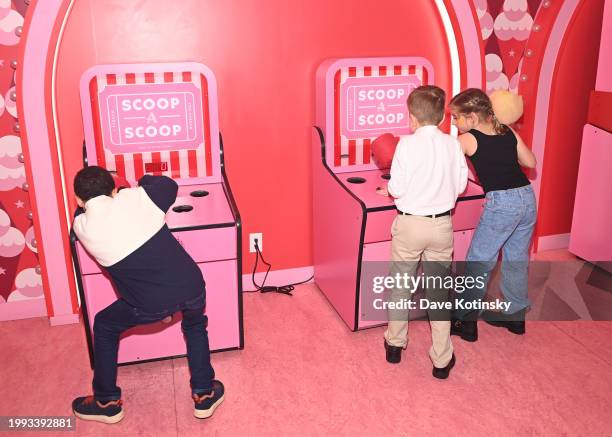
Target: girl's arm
{"type": "Point", "coordinates": [525, 156]}
{"type": "Point", "coordinates": [468, 143]}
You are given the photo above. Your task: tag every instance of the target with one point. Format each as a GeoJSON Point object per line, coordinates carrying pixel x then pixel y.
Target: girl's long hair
{"type": "Point", "coordinates": [474, 100]}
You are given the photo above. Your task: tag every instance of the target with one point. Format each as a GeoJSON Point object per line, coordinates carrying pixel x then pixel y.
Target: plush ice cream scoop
{"type": "Point", "coordinates": [383, 149]}
{"type": "Point", "coordinates": [507, 106]}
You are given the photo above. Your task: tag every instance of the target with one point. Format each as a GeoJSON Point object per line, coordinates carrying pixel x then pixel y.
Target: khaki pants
{"type": "Point", "coordinates": [428, 239]}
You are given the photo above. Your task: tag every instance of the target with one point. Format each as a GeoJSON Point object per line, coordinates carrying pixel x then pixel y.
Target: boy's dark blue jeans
{"type": "Point", "coordinates": [112, 321]}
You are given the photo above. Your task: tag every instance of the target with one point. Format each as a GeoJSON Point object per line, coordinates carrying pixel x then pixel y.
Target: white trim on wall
{"type": "Point", "coordinates": [553, 242]}
{"type": "Point", "coordinates": [453, 50]}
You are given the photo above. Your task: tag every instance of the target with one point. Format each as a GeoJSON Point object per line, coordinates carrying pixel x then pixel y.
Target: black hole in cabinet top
{"type": "Point", "coordinates": [356, 180]}
{"type": "Point", "coordinates": [199, 193]}
{"type": "Point", "coordinates": [386, 176]}
{"type": "Point", "coordinates": [182, 208]}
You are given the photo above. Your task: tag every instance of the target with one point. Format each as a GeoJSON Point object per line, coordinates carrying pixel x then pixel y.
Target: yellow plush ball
{"type": "Point", "coordinates": [507, 106]}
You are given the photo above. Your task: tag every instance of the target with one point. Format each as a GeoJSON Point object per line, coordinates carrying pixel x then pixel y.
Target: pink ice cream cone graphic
{"type": "Point", "coordinates": [11, 246]}
{"type": "Point", "coordinates": [12, 171]}
{"type": "Point", "coordinates": [10, 149]}
{"type": "Point", "coordinates": [11, 243]}
{"type": "Point", "coordinates": [485, 18]}
{"type": "Point", "coordinates": [28, 283]}
{"type": "Point", "coordinates": [10, 20]}
{"type": "Point", "coordinates": [512, 28]}
{"type": "Point", "coordinates": [5, 8]}
{"type": "Point", "coordinates": [496, 79]}
{"type": "Point", "coordinates": [5, 223]}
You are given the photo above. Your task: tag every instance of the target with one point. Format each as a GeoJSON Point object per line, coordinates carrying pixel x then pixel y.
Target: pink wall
{"type": "Point", "coordinates": [264, 55]}
{"type": "Point", "coordinates": [574, 79]}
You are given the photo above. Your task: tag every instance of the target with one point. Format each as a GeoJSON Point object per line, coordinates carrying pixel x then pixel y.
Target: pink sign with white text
{"type": "Point", "coordinates": [373, 105]}
{"type": "Point", "coordinates": [151, 117]}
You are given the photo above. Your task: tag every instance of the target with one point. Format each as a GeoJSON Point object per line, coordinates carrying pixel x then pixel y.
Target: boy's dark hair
{"type": "Point", "coordinates": [93, 181]}
{"type": "Point", "coordinates": [426, 103]}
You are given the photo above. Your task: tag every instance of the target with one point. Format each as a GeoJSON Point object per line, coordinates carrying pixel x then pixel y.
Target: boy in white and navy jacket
{"type": "Point", "coordinates": [155, 277]}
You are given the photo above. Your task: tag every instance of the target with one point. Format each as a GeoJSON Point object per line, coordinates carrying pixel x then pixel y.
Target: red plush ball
{"type": "Point", "coordinates": [383, 149]}
{"type": "Point", "coordinates": [120, 182]}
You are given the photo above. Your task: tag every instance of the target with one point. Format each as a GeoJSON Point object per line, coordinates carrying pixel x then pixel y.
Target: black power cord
{"type": "Point", "coordinates": [283, 289]}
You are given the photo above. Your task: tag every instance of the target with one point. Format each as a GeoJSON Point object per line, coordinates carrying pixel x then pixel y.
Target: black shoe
{"type": "Point", "coordinates": [442, 372]}
{"type": "Point", "coordinates": [394, 353]}
{"type": "Point", "coordinates": [88, 408]}
{"type": "Point", "coordinates": [206, 403]}
{"type": "Point", "coordinates": [514, 323]}
{"type": "Point", "coordinates": [466, 329]}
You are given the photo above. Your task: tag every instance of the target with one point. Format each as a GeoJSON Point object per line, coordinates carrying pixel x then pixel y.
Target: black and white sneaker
{"type": "Point", "coordinates": [88, 408]}
{"type": "Point", "coordinates": [206, 403]}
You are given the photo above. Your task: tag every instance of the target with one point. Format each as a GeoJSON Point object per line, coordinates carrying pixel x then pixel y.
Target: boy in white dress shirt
{"type": "Point", "coordinates": [427, 175]}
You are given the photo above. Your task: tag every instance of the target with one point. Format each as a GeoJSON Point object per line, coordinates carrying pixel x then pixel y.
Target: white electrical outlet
{"type": "Point", "coordinates": [252, 238]}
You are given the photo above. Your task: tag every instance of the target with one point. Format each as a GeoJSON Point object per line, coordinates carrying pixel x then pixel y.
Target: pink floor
{"type": "Point", "coordinates": [303, 373]}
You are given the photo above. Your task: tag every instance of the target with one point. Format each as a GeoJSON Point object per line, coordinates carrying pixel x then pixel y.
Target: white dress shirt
{"type": "Point", "coordinates": [428, 172]}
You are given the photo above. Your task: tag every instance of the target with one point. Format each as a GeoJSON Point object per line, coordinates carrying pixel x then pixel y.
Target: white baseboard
{"type": "Point", "coordinates": [23, 309]}
{"type": "Point", "coordinates": [278, 277]}
{"type": "Point", "coordinates": [553, 242]}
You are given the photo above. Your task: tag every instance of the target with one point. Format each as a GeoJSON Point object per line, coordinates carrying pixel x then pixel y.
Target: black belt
{"type": "Point", "coordinates": [442, 214]}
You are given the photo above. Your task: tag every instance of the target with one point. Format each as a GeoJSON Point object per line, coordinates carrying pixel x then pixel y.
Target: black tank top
{"type": "Point", "coordinates": [496, 161]}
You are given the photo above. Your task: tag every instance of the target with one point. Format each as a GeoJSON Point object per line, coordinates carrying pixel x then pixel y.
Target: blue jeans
{"type": "Point", "coordinates": [119, 316]}
{"type": "Point", "coordinates": [506, 223]}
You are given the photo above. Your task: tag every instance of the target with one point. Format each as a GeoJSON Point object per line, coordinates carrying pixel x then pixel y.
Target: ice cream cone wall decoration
{"type": "Point", "coordinates": [512, 27]}
{"type": "Point", "coordinates": [496, 79]}
{"type": "Point", "coordinates": [20, 277]}
{"type": "Point", "coordinates": [485, 18]}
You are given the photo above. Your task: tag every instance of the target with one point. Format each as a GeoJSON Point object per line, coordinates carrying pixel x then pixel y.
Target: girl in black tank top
{"type": "Point", "coordinates": [496, 161]}
{"type": "Point", "coordinates": [496, 151]}
{"type": "Point", "coordinates": [508, 217]}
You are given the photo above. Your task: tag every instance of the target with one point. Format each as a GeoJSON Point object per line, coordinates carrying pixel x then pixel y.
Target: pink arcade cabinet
{"type": "Point", "coordinates": [162, 119]}
{"type": "Point", "coordinates": [357, 100]}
